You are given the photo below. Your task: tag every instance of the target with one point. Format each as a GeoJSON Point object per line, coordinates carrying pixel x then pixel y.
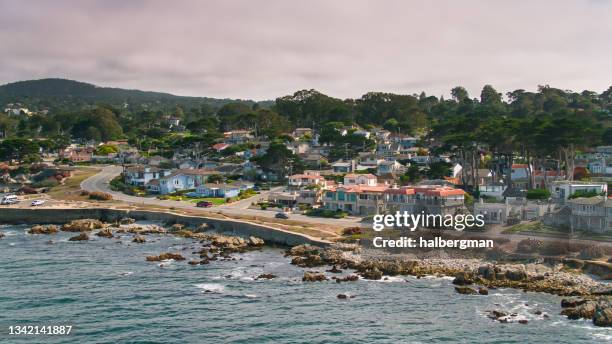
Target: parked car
{"type": "Point", "coordinates": [281, 216]}
{"type": "Point", "coordinates": [9, 199]}
{"type": "Point", "coordinates": [204, 204]}
{"type": "Point", "coordinates": [38, 202]}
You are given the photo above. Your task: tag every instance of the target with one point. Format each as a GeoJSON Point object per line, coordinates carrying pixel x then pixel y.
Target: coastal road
{"type": "Point", "coordinates": [100, 183]}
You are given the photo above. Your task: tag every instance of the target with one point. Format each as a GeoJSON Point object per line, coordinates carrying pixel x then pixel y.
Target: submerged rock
{"type": "Point", "coordinates": [38, 229]}
{"type": "Point", "coordinates": [105, 233]}
{"type": "Point", "coordinates": [483, 291]}
{"type": "Point", "coordinates": [2, 235]}
{"type": "Point", "coordinates": [127, 221]}
{"type": "Point", "coordinates": [465, 290]}
{"type": "Point", "coordinates": [313, 276]}
{"type": "Point", "coordinates": [349, 278]}
{"type": "Point", "coordinates": [334, 270]}
{"type": "Point", "coordinates": [371, 274]}
{"type": "Point", "coordinates": [165, 256]}
{"type": "Point", "coordinates": [80, 237]}
{"type": "Point", "coordinates": [265, 276]}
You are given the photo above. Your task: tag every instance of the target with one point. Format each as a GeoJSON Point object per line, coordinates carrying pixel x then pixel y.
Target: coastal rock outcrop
{"type": "Point", "coordinates": [126, 221]}
{"type": "Point", "coordinates": [349, 278]}
{"type": "Point", "coordinates": [165, 256]}
{"type": "Point", "coordinates": [2, 235]}
{"type": "Point", "coordinates": [585, 311]}
{"type": "Point", "coordinates": [85, 225]}
{"type": "Point", "coordinates": [463, 278]}
{"type": "Point", "coordinates": [603, 317]}
{"type": "Point", "coordinates": [313, 276]}
{"type": "Point", "coordinates": [38, 229]}
{"type": "Point", "coordinates": [105, 233]}
{"type": "Point", "coordinates": [254, 241]}
{"type": "Point", "coordinates": [483, 291]}
{"type": "Point", "coordinates": [80, 237]}
{"type": "Point", "coordinates": [139, 239]}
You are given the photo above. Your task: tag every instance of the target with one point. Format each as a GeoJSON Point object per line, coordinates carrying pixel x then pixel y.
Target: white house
{"type": "Point", "coordinates": [561, 190]}
{"type": "Point", "coordinates": [360, 179]}
{"type": "Point", "coordinates": [142, 175]}
{"type": "Point", "coordinates": [308, 178]}
{"type": "Point", "coordinates": [184, 180]}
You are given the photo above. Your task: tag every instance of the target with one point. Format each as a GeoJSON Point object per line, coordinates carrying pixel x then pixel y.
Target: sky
{"type": "Point", "coordinates": [263, 49]}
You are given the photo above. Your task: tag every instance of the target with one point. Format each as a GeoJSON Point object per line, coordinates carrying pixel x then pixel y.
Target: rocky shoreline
{"type": "Point", "coordinates": [591, 299]}
{"type": "Point", "coordinates": [471, 277]}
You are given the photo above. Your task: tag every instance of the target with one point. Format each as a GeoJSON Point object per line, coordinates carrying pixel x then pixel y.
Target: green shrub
{"type": "Point", "coordinates": [47, 183]}
{"type": "Point", "coordinates": [338, 214]}
{"type": "Point", "coordinates": [584, 193]}
{"type": "Point", "coordinates": [538, 194]}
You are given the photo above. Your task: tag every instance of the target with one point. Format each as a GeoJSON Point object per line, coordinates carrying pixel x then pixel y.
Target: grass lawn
{"type": "Point", "coordinates": [71, 190]}
{"type": "Point", "coordinates": [213, 200]}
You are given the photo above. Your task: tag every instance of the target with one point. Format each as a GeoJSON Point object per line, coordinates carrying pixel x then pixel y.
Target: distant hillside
{"type": "Point", "coordinates": [71, 95]}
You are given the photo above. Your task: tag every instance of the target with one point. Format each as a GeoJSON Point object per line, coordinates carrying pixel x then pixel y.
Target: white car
{"type": "Point", "coordinates": [38, 202]}
{"type": "Point", "coordinates": [9, 199]}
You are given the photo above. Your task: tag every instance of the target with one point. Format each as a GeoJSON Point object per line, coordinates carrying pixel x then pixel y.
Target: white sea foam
{"type": "Point", "coordinates": [211, 287]}
{"type": "Point", "coordinates": [250, 296]}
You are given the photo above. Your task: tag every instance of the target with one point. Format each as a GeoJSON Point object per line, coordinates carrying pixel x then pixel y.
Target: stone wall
{"type": "Point", "coordinates": [231, 226]}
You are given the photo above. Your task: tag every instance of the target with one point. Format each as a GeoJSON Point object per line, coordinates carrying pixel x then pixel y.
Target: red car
{"type": "Point", "coordinates": [204, 204]}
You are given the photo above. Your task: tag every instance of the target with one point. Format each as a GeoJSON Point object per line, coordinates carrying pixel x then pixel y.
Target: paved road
{"type": "Point", "coordinates": [100, 183]}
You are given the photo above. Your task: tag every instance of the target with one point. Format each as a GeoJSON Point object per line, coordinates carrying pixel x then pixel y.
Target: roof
{"type": "Point", "coordinates": [514, 192]}
{"type": "Point", "coordinates": [355, 175]}
{"type": "Point", "coordinates": [588, 200]}
{"type": "Point", "coordinates": [520, 166]}
{"type": "Point", "coordinates": [220, 146]}
{"type": "Point", "coordinates": [191, 172]}
{"type": "Point", "coordinates": [306, 176]}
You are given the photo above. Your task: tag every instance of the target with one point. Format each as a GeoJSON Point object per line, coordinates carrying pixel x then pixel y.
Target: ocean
{"type": "Point", "coordinates": [108, 293]}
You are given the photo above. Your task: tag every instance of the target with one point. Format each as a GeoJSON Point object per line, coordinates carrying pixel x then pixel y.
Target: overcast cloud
{"type": "Point", "coordinates": [264, 49]}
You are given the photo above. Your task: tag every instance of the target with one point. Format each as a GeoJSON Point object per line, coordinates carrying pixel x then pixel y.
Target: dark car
{"type": "Point", "coordinates": [281, 216]}
{"type": "Point", "coordinates": [204, 204]}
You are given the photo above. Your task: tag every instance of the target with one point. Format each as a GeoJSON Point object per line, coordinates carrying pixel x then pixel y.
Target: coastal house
{"type": "Point", "coordinates": [222, 190]}
{"type": "Point", "coordinates": [187, 179]}
{"type": "Point", "coordinates": [306, 179]}
{"type": "Point", "coordinates": [593, 214]}
{"type": "Point", "coordinates": [219, 147]}
{"type": "Point", "coordinates": [429, 199]}
{"type": "Point", "coordinates": [77, 154]}
{"type": "Point", "coordinates": [237, 136]}
{"type": "Point", "coordinates": [355, 199]}
{"type": "Point", "coordinates": [140, 175]}
{"type": "Point", "coordinates": [563, 189]}
{"type": "Point", "coordinates": [492, 190]}
{"type": "Point", "coordinates": [300, 132]}
{"type": "Point", "coordinates": [386, 167]}
{"type": "Point", "coordinates": [360, 179]}
{"type": "Point", "coordinates": [343, 166]}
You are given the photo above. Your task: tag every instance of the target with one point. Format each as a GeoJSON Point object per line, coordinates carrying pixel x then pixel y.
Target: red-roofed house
{"type": "Point", "coordinates": [220, 146]}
